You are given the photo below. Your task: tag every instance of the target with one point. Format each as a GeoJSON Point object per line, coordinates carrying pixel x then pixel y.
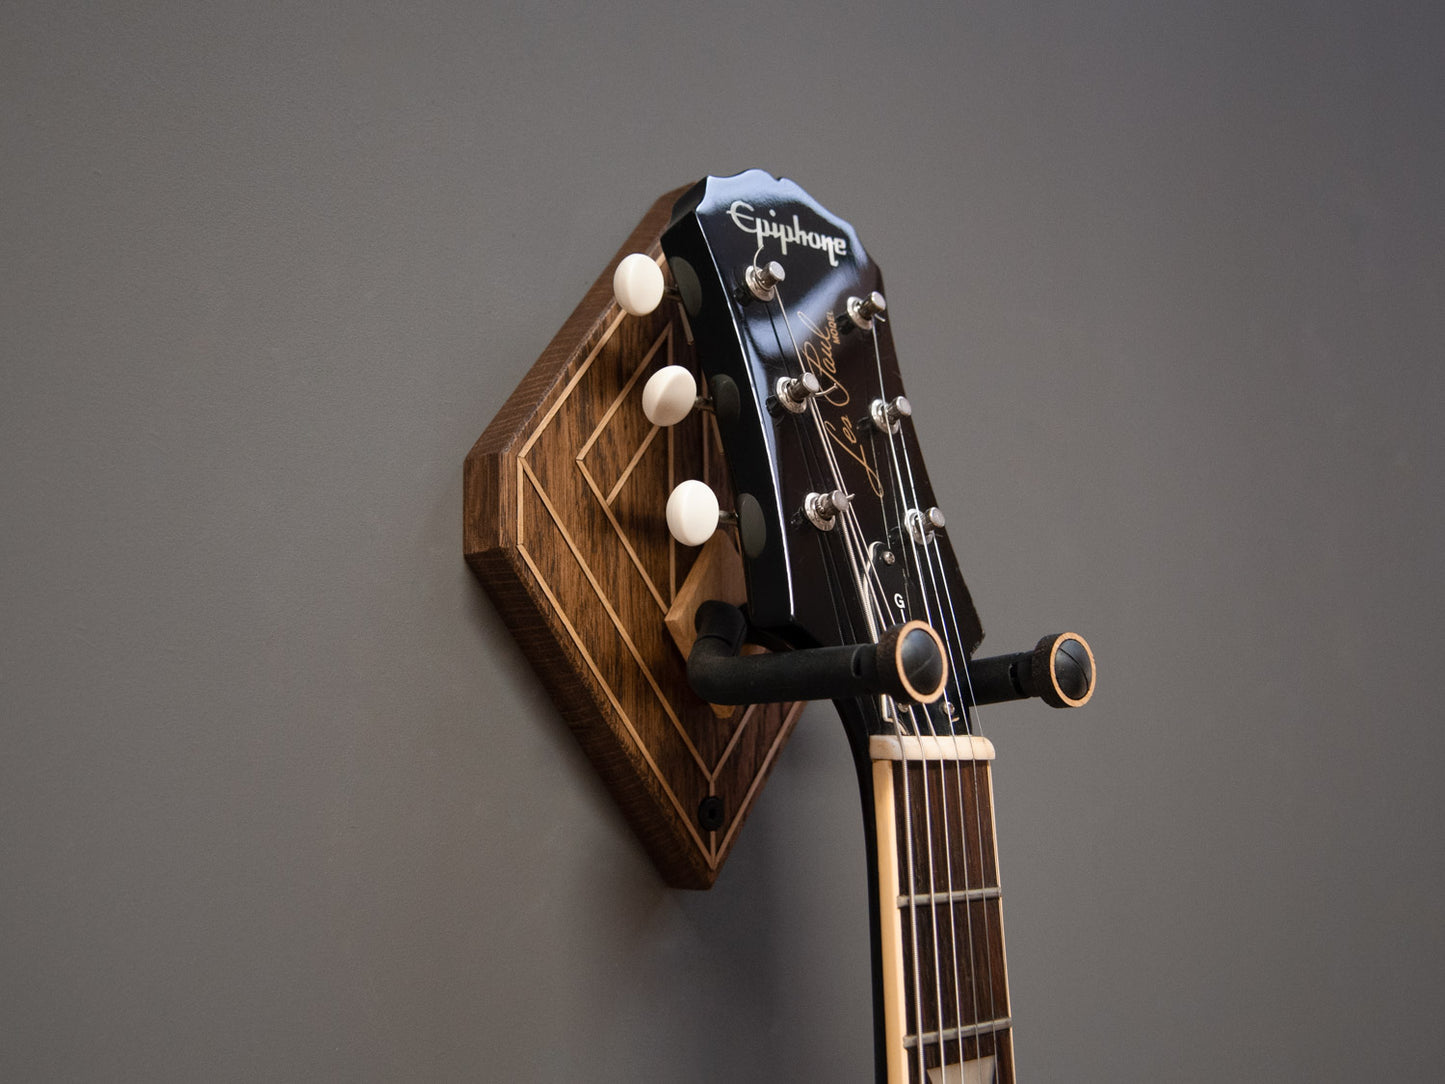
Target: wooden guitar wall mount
{"type": "Point", "coordinates": [563, 523]}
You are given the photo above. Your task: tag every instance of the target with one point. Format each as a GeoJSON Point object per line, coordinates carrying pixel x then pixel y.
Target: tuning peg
{"type": "Point", "coordinates": [924, 524]}
{"type": "Point", "coordinates": [792, 393]}
{"type": "Point", "coordinates": [887, 416]}
{"type": "Point", "coordinates": [692, 513]}
{"type": "Point", "coordinates": [763, 281]}
{"type": "Point", "coordinates": [669, 394]}
{"type": "Point", "coordinates": [823, 509]}
{"type": "Point", "coordinates": [863, 310]}
{"type": "Point", "coordinates": [637, 284]}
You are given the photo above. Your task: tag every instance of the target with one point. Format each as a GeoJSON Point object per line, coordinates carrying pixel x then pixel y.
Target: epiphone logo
{"type": "Point", "coordinates": [741, 212]}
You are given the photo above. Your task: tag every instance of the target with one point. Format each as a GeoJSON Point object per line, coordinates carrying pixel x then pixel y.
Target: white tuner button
{"type": "Point", "coordinates": [637, 284]}
{"type": "Point", "coordinates": [669, 395]}
{"type": "Point", "coordinates": [692, 513]}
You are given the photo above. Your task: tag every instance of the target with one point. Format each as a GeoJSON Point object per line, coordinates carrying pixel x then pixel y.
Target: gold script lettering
{"type": "Point", "coordinates": [848, 441]}
{"type": "Point", "coordinates": [818, 356]}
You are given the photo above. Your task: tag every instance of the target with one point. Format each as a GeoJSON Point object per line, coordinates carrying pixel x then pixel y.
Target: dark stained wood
{"type": "Point", "coordinates": [952, 798]}
{"type": "Point", "coordinates": [945, 819]}
{"type": "Point", "coordinates": [563, 523]}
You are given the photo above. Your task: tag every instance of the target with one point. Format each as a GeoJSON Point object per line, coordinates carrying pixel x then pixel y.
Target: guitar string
{"type": "Point", "coordinates": [899, 526]}
{"type": "Point", "coordinates": [872, 592]}
{"type": "Point", "coordinates": [853, 525]}
{"type": "Point", "coordinates": [906, 536]}
{"type": "Point", "coordinates": [961, 673]}
{"type": "Point", "coordinates": [853, 530]}
{"type": "Point", "coordinates": [873, 595]}
{"type": "Point", "coordinates": [925, 711]}
{"type": "Point", "coordinates": [978, 790]}
{"type": "Point", "coordinates": [859, 580]}
{"type": "Point", "coordinates": [973, 771]}
{"type": "Point", "coordinates": [936, 573]}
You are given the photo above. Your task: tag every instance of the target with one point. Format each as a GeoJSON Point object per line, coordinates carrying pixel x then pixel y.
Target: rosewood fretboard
{"type": "Point", "coordinates": [945, 983]}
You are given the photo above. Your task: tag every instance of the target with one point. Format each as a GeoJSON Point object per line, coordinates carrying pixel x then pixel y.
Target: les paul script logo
{"type": "Point", "coordinates": [817, 356]}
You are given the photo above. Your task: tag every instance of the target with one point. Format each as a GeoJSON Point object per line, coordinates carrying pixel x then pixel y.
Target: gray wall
{"type": "Point", "coordinates": [280, 800]}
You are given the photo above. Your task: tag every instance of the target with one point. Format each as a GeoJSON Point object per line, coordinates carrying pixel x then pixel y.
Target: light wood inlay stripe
{"type": "Point", "coordinates": [621, 397]}
{"type": "Point", "coordinates": [783, 731]}
{"type": "Point", "coordinates": [890, 921]}
{"type": "Point", "coordinates": [631, 465]}
{"type": "Point", "coordinates": [621, 535]}
{"type": "Point", "coordinates": [617, 622]}
{"type": "Point", "coordinates": [687, 819]}
{"type": "Point", "coordinates": [567, 391]}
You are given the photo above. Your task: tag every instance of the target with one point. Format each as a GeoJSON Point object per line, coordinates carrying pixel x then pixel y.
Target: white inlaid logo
{"type": "Point", "coordinates": [741, 212]}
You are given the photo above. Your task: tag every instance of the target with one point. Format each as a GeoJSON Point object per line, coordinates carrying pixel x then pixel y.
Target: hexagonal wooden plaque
{"type": "Point", "coordinates": [563, 523]}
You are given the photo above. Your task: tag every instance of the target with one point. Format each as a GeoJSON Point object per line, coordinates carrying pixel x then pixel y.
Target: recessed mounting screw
{"type": "Point", "coordinates": [710, 813]}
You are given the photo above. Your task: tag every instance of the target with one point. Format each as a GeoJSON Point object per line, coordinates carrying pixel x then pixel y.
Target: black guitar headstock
{"type": "Point", "coordinates": [841, 532]}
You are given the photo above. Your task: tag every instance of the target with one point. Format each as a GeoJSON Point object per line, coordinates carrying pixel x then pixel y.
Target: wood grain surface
{"type": "Point", "coordinates": [564, 497]}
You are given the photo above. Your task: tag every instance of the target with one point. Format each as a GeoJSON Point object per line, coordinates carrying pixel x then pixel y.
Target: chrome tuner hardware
{"type": "Point", "coordinates": [763, 281]}
{"type": "Point", "coordinates": [823, 509]}
{"type": "Point", "coordinates": [923, 525]}
{"type": "Point", "coordinates": [862, 310]}
{"type": "Point", "coordinates": [888, 416]}
{"type": "Point", "coordinates": [793, 392]}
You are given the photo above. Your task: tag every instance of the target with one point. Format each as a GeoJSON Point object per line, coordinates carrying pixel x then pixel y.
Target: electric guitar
{"type": "Point", "coordinates": [851, 579]}
{"type": "Point", "coordinates": [835, 564]}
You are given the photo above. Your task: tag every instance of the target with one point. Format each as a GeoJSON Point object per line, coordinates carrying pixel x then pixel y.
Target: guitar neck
{"type": "Point", "coordinates": [939, 951]}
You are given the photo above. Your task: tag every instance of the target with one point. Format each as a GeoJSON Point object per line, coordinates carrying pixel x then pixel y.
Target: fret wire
{"type": "Point", "coordinates": [968, 1031]}
{"type": "Point", "coordinates": [963, 895]}
{"type": "Point", "coordinates": [972, 945]}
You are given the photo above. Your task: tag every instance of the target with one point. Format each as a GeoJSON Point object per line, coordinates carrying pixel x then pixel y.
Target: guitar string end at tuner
{"type": "Point", "coordinates": [923, 525]}
{"type": "Point", "coordinates": [823, 509]}
{"type": "Point", "coordinates": [887, 416]}
{"type": "Point", "coordinates": [638, 284]}
{"type": "Point", "coordinates": [862, 310]}
{"type": "Point", "coordinates": [762, 282]}
{"type": "Point", "coordinates": [794, 392]}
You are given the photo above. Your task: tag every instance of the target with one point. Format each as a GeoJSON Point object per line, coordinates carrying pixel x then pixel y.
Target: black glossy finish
{"type": "Point", "coordinates": [801, 587]}
{"type": "Point", "coordinates": [803, 590]}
